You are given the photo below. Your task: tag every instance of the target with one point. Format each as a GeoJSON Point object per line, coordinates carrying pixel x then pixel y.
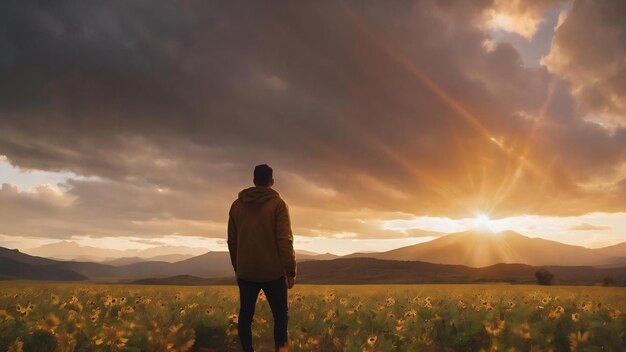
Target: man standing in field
{"type": "Point", "coordinates": [260, 243]}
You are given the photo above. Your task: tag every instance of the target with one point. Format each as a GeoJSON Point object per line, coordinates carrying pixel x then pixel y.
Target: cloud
{"type": "Point", "coordinates": [521, 17]}
{"type": "Point", "coordinates": [588, 50]}
{"type": "Point", "coordinates": [366, 111]}
{"type": "Point", "coordinates": [588, 227]}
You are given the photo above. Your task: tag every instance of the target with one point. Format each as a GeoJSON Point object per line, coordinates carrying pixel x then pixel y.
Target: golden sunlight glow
{"type": "Point", "coordinates": [516, 155]}
{"type": "Point", "coordinates": [509, 16]}
{"type": "Point", "coordinates": [483, 222]}
{"type": "Point", "coordinates": [501, 21]}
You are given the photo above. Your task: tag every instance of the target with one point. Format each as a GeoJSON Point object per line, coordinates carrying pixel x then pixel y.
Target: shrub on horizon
{"type": "Point", "coordinates": [544, 277]}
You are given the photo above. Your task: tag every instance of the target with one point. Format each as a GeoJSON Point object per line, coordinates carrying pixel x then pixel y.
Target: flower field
{"type": "Point", "coordinates": [93, 317]}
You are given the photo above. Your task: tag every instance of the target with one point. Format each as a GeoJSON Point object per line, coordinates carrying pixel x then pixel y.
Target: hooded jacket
{"type": "Point", "coordinates": [260, 240]}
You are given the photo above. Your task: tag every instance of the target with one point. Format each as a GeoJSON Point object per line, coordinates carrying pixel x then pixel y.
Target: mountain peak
{"type": "Point", "coordinates": [478, 248]}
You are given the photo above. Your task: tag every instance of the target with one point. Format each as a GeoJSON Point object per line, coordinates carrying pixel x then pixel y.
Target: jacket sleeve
{"type": "Point", "coordinates": [284, 239]}
{"type": "Point", "coordinates": [232, 239]}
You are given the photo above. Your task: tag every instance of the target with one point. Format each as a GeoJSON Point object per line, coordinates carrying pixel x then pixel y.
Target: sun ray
{"type": "Point", "coordinates": [435, 88]}
{"type": "Point", "coordinates": [506, 188]}
{"type": "Point", "coordinates": [521, 158]}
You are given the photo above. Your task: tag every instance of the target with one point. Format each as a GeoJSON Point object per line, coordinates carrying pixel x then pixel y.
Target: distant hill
{"type": "Point", "coordinates": [618, 250]}
{"type": "Point", "coordinates": [370, 270]}
{"type": "Point", "coordinates": [302, 256]}
{"type": "Point", "coordinates": [211, 264]}
{"type": "Point", "coordinates": [207, 265]}
{"type": "Point", "coordinates": [14, 270]}
{"type": "Point", "coordinates": [479, 249]}
{"type": "Point", "coordinates": [70, 250]}
{"type": "Point", "coordinates": [170, 258]}
{"type": "Point", "coordinates": [18, 256]}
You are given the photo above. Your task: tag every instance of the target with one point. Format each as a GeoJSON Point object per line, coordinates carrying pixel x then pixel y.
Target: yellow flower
{"type": "Point", "coordinates": [410, 313]}
{"type": "Point", "coordinates": [17, 345]}
{"type": "Point", "coordinates": [5, 315]}
{"type": "Point", "coordinates": [329, 296]}
{"type": "Point", "coordinates": [330, 314]}
{"type": "Point", "coordinates": [400, 324]}
{"type": "Point", "coordinates": [425, 339]}
{"type": "Point", "coordinates": [259, 319]}
{"type": "Point", "coordinates": [66, 342]}
{"type": "Point", "coordinates": [556, 312]}
{"type": "Point", "coordinates": [372, 340]}
{"type": "Point", "coordinates": [586, 306]}
{"type": "Point", "coordinates": [575, 317]}
{"type": "Point", "coordinates": [311, 342]}
{"type": "Point", "coordinates": [523, 331]}
{"type": "Point", "coordinates": [576, 339]}
{"type": "Point", "coordinates": [494, 327]}
{"type": "Point", "coordinates": [74, 317]}
{"type": "Point", "coordinates": [110, 337]}
{"type": "Point", "coordinates": [614, 313]}
{"type": "Point", "coordinates": [487, 305]}
{"type": "Point", "coordinates": [48, 323]}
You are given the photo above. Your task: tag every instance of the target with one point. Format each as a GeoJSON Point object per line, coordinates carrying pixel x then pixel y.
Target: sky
{"type": "Point", "coordinates": [135, 124]}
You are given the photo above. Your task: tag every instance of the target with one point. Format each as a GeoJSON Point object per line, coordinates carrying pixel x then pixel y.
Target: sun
{"type": "Point", "coordinates": [483, 222]}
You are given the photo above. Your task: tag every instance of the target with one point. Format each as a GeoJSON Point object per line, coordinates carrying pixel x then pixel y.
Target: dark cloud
{"type": "Point", "coordinates": [588, 50]}
{"type": "Point", "coordinates": [365, 109]}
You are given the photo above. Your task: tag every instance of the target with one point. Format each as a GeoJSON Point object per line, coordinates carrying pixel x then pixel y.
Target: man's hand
{"type": "Point", "coordinates": [291, 280]}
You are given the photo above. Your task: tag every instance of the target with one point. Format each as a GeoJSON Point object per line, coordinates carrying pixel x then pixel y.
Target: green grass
{"type": "Point", "coordinates": [88, 317]}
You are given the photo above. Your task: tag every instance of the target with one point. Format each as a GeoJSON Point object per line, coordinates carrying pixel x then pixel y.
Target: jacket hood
{"type": "Point", "coordinates": [257, 195]}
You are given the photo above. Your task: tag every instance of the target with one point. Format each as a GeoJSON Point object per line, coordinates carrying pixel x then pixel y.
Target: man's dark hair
{"type": "Point", "coordinates": [262, 175]}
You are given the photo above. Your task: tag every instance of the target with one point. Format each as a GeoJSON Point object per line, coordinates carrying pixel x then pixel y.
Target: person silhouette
{"type": "Point", "coordinates": [260, 242]}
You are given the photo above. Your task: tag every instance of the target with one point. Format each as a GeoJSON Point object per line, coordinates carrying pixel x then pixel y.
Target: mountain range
{"type": "Point", "coordinates": [471, 256]}
{"type": "Point", "coordinates": [70, 250]}
{"type": "Point", "coordinates": [479, 249]}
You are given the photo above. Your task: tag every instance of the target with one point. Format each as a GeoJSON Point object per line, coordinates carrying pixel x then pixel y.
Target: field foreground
{"type": "Point", "coordinates": [86, 317]}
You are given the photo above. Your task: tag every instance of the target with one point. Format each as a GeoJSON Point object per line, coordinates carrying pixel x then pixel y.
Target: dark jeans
{"type": "Point", "coordinates": [276, 293]}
